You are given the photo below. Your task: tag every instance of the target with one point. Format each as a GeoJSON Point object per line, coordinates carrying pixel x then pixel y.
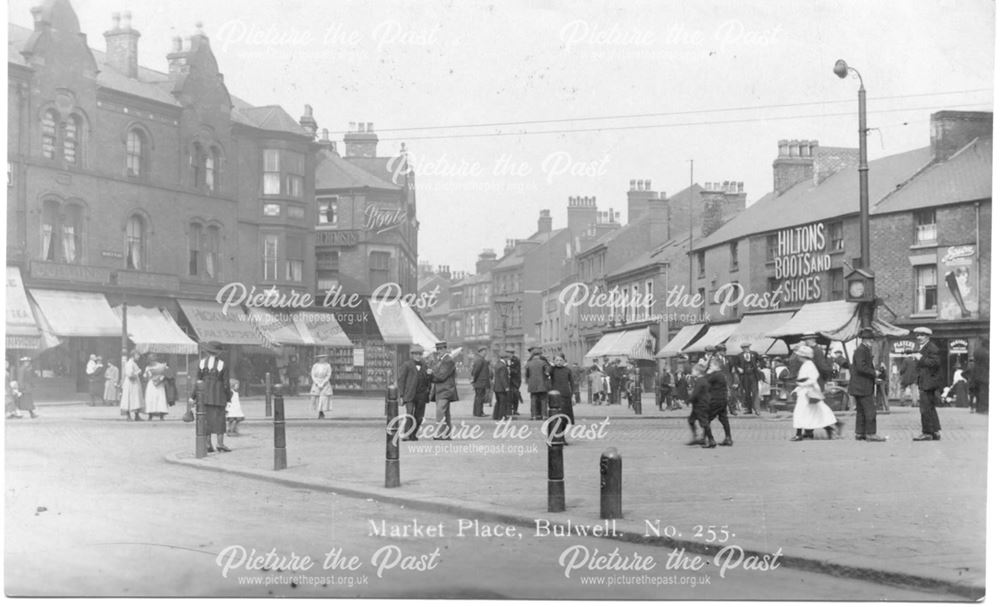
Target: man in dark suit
{"type": "Point", "coordinates": [614, 372]}
{"type": "Point", "coordinates": [746, 366]}
{"type": "Point", "coordinates": [414, 389]}
{"type": "Point", "coordinates": [514, 391]}
{"type": "Point", "coordinates": [862, 388]}
{"type": "Point", "coordinates": [537, 373]}
{"type": "Point", "coordinates": [930, 380]}
{"type": "Point", "coordinates": [501, 386]}
{"type": "Point", "coordinates": [480, 381]}
{"type": "Point", "coordinates": [445, 391]}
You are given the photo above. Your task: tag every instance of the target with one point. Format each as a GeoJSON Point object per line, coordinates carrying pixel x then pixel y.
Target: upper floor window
{"type": "Point", "coordinates": [925, 226]}
{"type": "Point", "coordinates": [772, 247]}
{"type": "Point", "coordinates": [271, 257]}
{"type": "Point", "coordinates": [211, 169]}
{"type": "Point", "coordinates": [211, 248]}
{"type": "Point", "coordinates": [198, 166]}
{"type": "Point", "coordinates": [836, 236]}
{"type": "Point", "coordinates": [194, 249]}
{"type": "Point", "coordinates": [294, 258]}
{"type": "Point", "coordinates": [378, 268]}
{"type": "Point", "coordinates": [328, 210]}
{"type": "Point", "coordinates": [62, 228]}
{"type": "Point", "coordinates": [926, 279]}
{"type": "Point", "coordinates": [701, 264]}
{"type": "Point", "coordinates": [135, 243]}
{"type": "Point", "coordinates": [327, 269]}
{"type": "Point", "coordinates": [284, 173]}
{"type": "Point", "coordinates": [837, 283]}
{"type": "Point", "coordinates": [135, 148]}
{"type": "Point", "coordinates": [734, 256]}
{"type": "Point", "coordinates": [66, 135]}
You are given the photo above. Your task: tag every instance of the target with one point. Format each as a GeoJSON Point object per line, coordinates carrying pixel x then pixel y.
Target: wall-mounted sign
{"type": "Point", "coordinates": [380, 220]}
{"type": "Point", "coordinates": [799, 263]}
{"type": "Point", "coordinates": [900, 346]}
{"type": "Point", "coordinates": [958, 277]}
{"type": "Point", "coordinates": [958, 346]}
{"type": "Point", "coordinates": [341, 238]}
{"type": "Point", "coordinates": [70, 272]}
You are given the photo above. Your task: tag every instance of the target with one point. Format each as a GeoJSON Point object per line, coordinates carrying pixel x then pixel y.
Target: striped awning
{"type": "Point", "coordinates": [74, 314]}
{"type": "Point", "coordinates": [277, 326]}
{"type": "Point", "coordinates": [836, 320]}
{"type": "Point", "coordinates": [715, 335]}
{"type": "Point", "coordinates": [752, 328]}
{"type": "Point", "coordinates": [680, 341]}
{"type": "Point", "coordinates": [154, 330]}
{"type": "Point", "coordinates": [400, 325]}
{"type": "Point", "coordinates": [21, 330]}
{"type": "Point", "coordinates": [212, 324]}
{"type": "Point", "coordinates": [635, 344]}
{"type": "Point", "coordinates": [320, 329]}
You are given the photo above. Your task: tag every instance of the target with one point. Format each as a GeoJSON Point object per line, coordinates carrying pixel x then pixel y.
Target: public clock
{"type": "Point", "coordinates": [857, 289]}
{"type": "Point", "coordinates": [860, 285]}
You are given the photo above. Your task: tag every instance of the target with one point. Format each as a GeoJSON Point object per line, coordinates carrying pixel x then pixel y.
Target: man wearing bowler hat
{"type": "Point", "coordinates": [414, 389]}
{"type": "Point", "coordinates": [480, 381]}
{"type": "Point", "coordinates": [862, 388]}
{"type": "Point", "coordinates": [930, 380]}
{"type": "Point", "coordinates": [445, 391]}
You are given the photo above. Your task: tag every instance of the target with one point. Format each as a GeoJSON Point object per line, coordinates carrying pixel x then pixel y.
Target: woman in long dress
{"type": "Point", "coordinates": [131, 399]}
{"type": "Point", "coordinates": [111, 384]}
{"type": "Point", "coordinates": [810, 411]}
{"type": "Point", "coordinates": [322, 390]}
{"type": "Point", "coordinates": [156, 393]}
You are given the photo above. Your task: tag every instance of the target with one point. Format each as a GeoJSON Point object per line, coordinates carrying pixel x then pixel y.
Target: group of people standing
{"type": "Point", "coordinates": [151, 389]}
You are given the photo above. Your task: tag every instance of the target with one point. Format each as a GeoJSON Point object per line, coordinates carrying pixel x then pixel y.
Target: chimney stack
{"type": "Point", "coordinates": [581, 214]}
{"type": "Point", "coordinates": [639, 196]}
{"type": "Point", "coordinates": [487, 259]}
{"type": "Point", "coordinates": [360, 141]}
{"type": "Point", "coordinates": [308, 122]}
{"type": "Point", "coordinates": [123, 45]}
{"type": "Point", "coordinates": [951, 130]}
{"type": "Point", "coordinates": [544, 222]}
{"type": "Point", "coordinates": [794, 163]}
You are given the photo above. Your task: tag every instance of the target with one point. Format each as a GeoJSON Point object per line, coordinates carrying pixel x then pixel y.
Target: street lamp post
{"type": "Point", "coordinates": [841, 69]}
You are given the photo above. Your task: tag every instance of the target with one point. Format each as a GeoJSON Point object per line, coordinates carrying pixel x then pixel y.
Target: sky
{"type": "Point", "coordinates": [561, 83]}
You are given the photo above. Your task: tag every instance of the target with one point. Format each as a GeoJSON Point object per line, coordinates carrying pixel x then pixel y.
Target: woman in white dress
{"type": "Point", "coordinates": [810, 411]}
{"type": "Point", "coordinates": [131, 401]}
{"type": "Point", "coordinates": [156, 393]}
{"type": "Point", "coordinates": [322, 390]}
{"type": "Point", "coordinates": [111, 384]}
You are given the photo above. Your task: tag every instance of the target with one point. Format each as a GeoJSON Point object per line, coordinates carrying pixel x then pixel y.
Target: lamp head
{"type": "Point", "coordinates": [840, 68]}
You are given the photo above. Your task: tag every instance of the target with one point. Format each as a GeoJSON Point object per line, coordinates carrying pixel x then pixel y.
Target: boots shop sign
{"type": "Point", "coordinates": [380, 220]}
{"type": "Point", "coordinates": [800, 262]}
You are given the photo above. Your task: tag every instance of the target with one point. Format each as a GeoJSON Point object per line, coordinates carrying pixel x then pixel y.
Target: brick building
{"type": "Point", "coordinates": [153, 186]}
{"type": "Point", "coordinates": [930, 236]}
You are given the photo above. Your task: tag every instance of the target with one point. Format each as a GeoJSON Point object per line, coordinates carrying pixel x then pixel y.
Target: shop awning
{"type": "Point", "coordinates": [715, 335]}
{"type": "Point", "coordinates": [22, 333]}
{"type": "Point", "coordinates": [320, 329]}
{"type": "Point", "coordinates": [636, 344]}
{"type": "Point", "coordinates": [400, 325]}
{"type": "Point", "coordinates": [73, 314]}
{"type": "Point", "coordinates": [680, 341]}
{"type": "Point", "coordinates": [753, 328]}
{"type": "Point", "coordinates": [836, 320]}
{"type": "Point", "coordinates": [277, 326]}
{"type": "Point", "coordinates": [210, 323]}
{"type": "Point", "coordinates": [154, 330]}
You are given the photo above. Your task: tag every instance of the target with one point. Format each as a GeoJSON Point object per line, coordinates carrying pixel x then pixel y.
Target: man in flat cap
{"type": "Point", "coordinates": [414, 389]}
{"type": "Point", "coordinates": [862, 388]}
{"type": "Point", "coordinates": [537, 372]}
{"type": "Point", "coordinates": [747, 367]}
{"type": "Point", "coordinates": [445, 391]}
{"type": "Point", "coordinates": [514, 394]}
{"type": "Point", "coordinates": [480, 381]}
{"type": "Point", "coordinates": [501, 386]}
{"type": "Point", "coordinates": [930, 380]}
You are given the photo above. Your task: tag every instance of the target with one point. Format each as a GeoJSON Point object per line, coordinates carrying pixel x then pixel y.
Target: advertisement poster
{"type": "Point", "coordinates": [958, 277]}
{"type": "Point", "coordinates": [496, 301]}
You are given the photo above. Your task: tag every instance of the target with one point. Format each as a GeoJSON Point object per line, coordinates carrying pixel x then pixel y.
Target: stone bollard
{"type": "Point", "coordinates": [556, 439]}
{"type": "Point", "coordinates": [200, 424]}
{"type": "Point", "coordinates": [611, 484]}
{"type": "Point", "coordinates": [392, 432]}
{"type": "Point", "coordinates": [280, 454]}
{"type": "Point", "coordinates": [267, 394]}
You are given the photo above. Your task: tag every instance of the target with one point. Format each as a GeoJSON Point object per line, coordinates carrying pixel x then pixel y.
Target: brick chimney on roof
{"type": "Point", "coordinates": [581, 213]}
{"type": "Point", "coordinates": [487, 259]}
{"type": "Point", "coordinates": [123, 45]}
{"type": "Point", "coordinates": [308, 122]}
{"type": "Point", "coordinates": [544, 221]}
{"type": "Point", "coordinates": [951, 130]}
{"type": "Point", "coordinates": [360, 141]}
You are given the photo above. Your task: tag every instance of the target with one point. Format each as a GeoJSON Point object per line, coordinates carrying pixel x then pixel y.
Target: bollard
{"type": "Point", "coordinates": [200, 424]}
{"type": "Point", "coordinates": [556, 440]}
{"type": "Point", "coordinates": [267, 394]}
{"type": "Point", "coordinates": [392, 429]}
{"type": "Point", "coordinates": [611, 484]}
{"type": "Point", "coordinates": [280, 454]}
{"type": "Point", "coordinates": [637, 399]}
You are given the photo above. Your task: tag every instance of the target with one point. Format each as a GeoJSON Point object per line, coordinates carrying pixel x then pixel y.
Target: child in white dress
{"type": "Point", "coordinates": [234, 411]}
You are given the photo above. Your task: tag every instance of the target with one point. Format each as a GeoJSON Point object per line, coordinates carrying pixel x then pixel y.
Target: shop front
{"type": "Point", "coordinates": [21, 331]}
{"type": "Point", "coordinates": [249, 353]}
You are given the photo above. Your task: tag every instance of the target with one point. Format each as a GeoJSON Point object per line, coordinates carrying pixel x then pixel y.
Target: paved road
{"type": "Point", "coordinates": [93, 509]}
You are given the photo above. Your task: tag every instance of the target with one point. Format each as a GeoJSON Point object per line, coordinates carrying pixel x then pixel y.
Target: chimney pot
{"type": "Point", "coordinates": [648, 185]}
{"type": "Point", "coordinates": [116, 19]}
{"type": "Point", "coordinates": [178, 44]}
{"type": "Point", "coordinates": [127, 20]}
{"type": "Point", "coordinates": [350, 126]}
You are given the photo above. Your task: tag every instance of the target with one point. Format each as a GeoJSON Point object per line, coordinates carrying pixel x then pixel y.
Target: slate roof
{"type": "Point", "coordinates": [515, 259]}
{"type": "Point", "coordinates": [335, 172]}
{"type": "Point", "coordinates": [157, 86]}
{"type": "Point", "coordinates": [661, 254]}
{"type": "Point", "coordinates": [805, 202]}
{"type": "Point", "coordinates": [966, 176]}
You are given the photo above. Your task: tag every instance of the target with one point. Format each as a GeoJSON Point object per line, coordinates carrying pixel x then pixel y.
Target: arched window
{"type": "Point", "coordinates": [72, 228]}
{"type": "Point", "coordinates": [135, 243]}
{"type": "Point", "coordinates": [71, 139]}
{"type": "Point", "coordinates": [135, 148]}
{"type": "Point", "coordinates": [212, 252]}
{"type": "Point", "coordinates": [49, 121]}
{"type": "Point", "coordinates": [198, 165]}
{"type": "Point", "coordinates": [213, 169]}
{"type": "Point", "coordinates": [194, 249]}
{"type": "Point", "coordinates": [50, 227]}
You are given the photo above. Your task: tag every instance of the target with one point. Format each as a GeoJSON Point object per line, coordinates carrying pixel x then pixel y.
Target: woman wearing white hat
{"type": "Point", "coordinates": [810, 411]}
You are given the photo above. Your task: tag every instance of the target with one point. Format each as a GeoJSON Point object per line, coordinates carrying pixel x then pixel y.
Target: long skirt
{"type": "Point", "coordinates": [215, 419]}
{"type": "Point", "coordinates": [96, 387]}
{"type": "Point", "coordinates": [110, 390]}
{"type": "Point", "coordinates": [812, 415]}
{"type": "Point", "coordinates": [324, 402]}
{"type": "Point", "coordinates": [131, 396]}
{"type": "Point", "coordinates": [156, 398]}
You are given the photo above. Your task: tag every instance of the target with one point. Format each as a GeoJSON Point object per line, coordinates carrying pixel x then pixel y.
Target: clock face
{"type": "Point", "coordinates": [857, 288]}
